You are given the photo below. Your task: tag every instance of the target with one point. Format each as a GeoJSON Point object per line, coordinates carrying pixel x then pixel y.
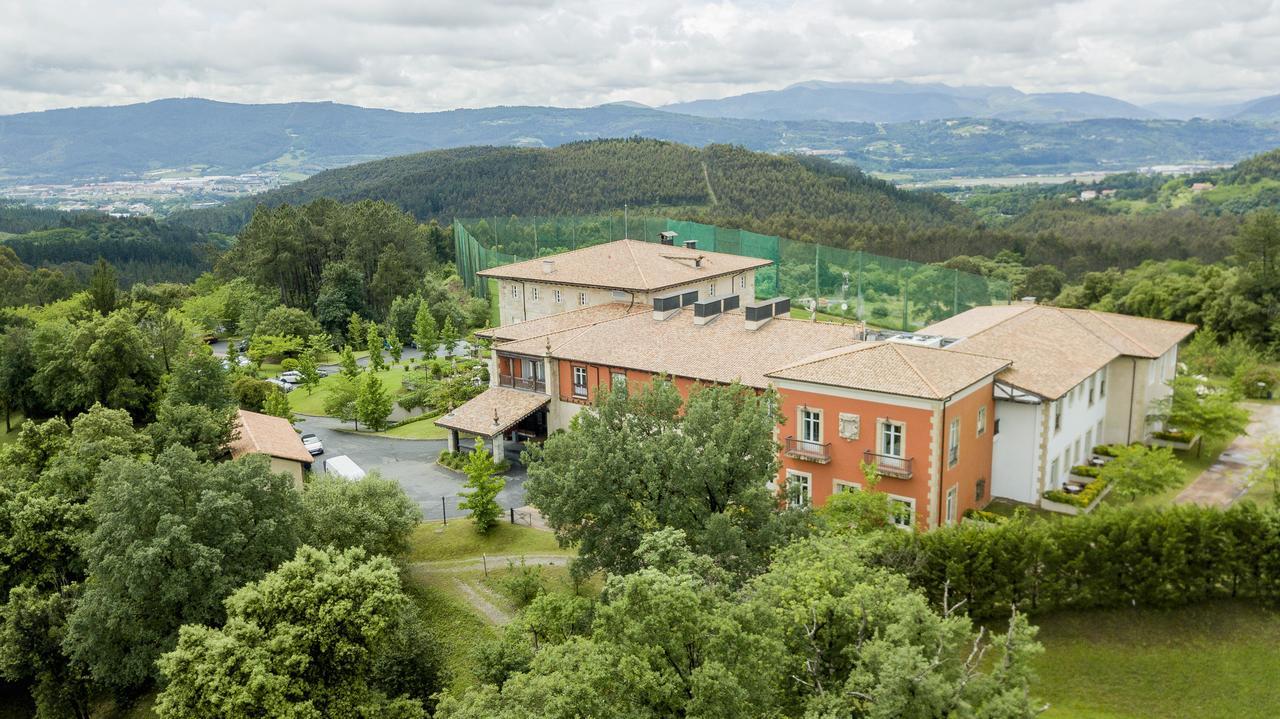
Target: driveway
{"type": "Point", "coordinates": [1228, 478]}
{"type": "Point", "coordinates": [409, 462]}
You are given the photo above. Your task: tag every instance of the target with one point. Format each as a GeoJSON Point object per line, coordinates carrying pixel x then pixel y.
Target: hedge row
{"type": "Point", "coordinates": [1126, 557]}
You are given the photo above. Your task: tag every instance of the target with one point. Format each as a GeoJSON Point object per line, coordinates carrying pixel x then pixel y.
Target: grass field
{"type": "Point", "coordinates": [1192, 466]}
{"type": "Point", "coordinates": [313, 403]}
{"type": "Point", "coordinates": [16, 419]}
{"type": "Point", "coordinates": [1212, 660]}
{"type": "Point", "coordinates": [434, 542]}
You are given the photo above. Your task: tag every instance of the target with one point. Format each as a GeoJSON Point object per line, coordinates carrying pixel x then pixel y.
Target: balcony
{"type": "Point", "coordinates": [819, 452]}
{"type": "Point", "coordinates": [526, 383]}
{"type": "Point", "coordinates": [897, 467]}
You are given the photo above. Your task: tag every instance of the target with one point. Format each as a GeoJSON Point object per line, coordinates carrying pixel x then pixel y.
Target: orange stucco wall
{"type": "Point", "coordinates": [599, 375]}
{"type": "Point", "coordinates": [974, 463]}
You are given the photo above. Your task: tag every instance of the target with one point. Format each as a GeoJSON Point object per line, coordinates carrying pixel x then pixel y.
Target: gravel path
{"type": "Point", "coordinates": [1228, 478]}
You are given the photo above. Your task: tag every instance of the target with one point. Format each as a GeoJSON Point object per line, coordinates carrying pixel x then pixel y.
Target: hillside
{"type": "Point", "coordinates": [601, 175]}
{"type": "Point", "coordinates": [909, 102]}
{"type": "Point", "coordinates": [196, 136]}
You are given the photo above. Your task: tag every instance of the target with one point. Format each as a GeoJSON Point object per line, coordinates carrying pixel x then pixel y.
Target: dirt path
{"type": "Point", "coordinates": [1228, 478]}
{"type": "Point", "coordinates": [482, 605]}
{"type": "Point", "coordinates": [477, 595]}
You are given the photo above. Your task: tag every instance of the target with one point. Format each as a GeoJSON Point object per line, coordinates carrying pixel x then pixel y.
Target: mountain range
{"type": "Point", "coordinates": [920, 131]}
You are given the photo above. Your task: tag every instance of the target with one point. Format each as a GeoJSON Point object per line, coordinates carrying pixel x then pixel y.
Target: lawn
{"type": "Point", "coordinates": [434, 542]}
{"type": "Point", "coordinates": [1192, 466]}
{"type": "Point", "coordinates": [16, 420]}
{"type": "Point", "coordinates": [458, 629]}
{"type": "Point", "coordinates": [422, 429]}
{"type": "Point", "coordinates": [1212, 660]}
{"type": "Point", "coordinates": [313, 404]}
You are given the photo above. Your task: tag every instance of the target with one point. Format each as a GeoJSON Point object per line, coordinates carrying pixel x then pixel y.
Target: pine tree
{"type": "Point", "coordinates": [374, 345]}
{"type": "Point", "coordinates": [424, 331]}
{"type": "Point", "coordinates": [355, 328]}
{"type": "Point", "coordinates": [103, 287]}
{"type": "Point", "coordinates": [448, 336]}
{"type": "Point", "coordinates": [373, 403]}
{"type": "Point", "coordinates": [350, 369]}
{"type": "Point", "coordinates": [396, 347]}
{"type": "Point", "coordinates": [307, 363]}
{"type": "Point", "coordinates": [484, 484]}
{"type": "Point", "coordinates": [277, 405]}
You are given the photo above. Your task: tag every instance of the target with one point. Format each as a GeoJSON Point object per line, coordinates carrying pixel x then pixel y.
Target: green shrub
{"type": "Point", "coordinates": [523, 583]}
{"type": "Point", "coordinates": [1080, 499]}
{"type": "Point", "coordinates": [982, 515]}
{"type": "Point", "coordinates": [1084, 470]}
{"type": "Point", "coordinates": [1172, 435]}
{"type": "Point", "coordinates": [1258, 382]}
{"type": "Point", "coordinates": [1107, 450]}
{"type": "Point", "coordinates": [288, 363]}
{"type": "Point", "coordinates": [1132, 556]}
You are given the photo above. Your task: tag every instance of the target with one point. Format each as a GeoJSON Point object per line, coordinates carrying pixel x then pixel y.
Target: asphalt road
{"type": "Point", "coordinates": [411, 463]}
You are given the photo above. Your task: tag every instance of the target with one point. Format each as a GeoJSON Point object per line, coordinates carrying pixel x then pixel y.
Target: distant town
{"type": "Point", "coordinates": [157, 193]}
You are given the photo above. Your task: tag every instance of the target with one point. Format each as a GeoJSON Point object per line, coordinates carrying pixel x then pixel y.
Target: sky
{"type": "Point", "coordinates": [443, 54]}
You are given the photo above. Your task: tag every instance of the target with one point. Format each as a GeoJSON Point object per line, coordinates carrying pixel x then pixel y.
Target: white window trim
{"type": "Point", "coordinates": [711, 291]}
{"type": "Point", "coordinates": [533, 292]}
{"type": "Point", "coordinates": [953, 443]}
{"type": "Point", "coordinates": [836, 485]}
{"type": "Point", "coordinates": [558, 298]}
{"type": "Point", "coordinates": [579, 390]}
{"type": "Point", "coordinates": [881, 448]}
{"type": "Point", "coordinates": [808, 483]}
{"type": "Point", "coordinates": [911, 502]}
{"type": "Point", "coordinates": [582, 299]}
{"type": "Point", "coordinates": [982, 421]}
{"type": "Point", "coordinates": [952, 504]}
{"type": "Point", "coordinates": [822, 428]}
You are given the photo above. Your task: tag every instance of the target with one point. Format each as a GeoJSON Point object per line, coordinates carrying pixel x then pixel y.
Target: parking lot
{"type": "Point", "coordinates": [411, 463]}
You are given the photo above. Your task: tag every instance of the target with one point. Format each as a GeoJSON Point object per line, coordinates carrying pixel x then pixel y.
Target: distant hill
{"type": "Point", "coordinates": [907, 102]}
{"type": "Point", "coordinates": [1263, 108]}
{"type": "Point", "coordinates": [304, 138]}
{"type": "Point", "coordinates": [586, 177]}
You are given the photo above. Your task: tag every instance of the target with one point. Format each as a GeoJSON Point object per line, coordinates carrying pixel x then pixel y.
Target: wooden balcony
{"type": "Point", "coordinates": [819, 452]}
{"type": "Point", "coordinates": [896, 467]}
{"type": "Point", "coordinates": [525, 383]}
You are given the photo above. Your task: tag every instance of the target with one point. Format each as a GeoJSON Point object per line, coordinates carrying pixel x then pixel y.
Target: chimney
{"type": "Point", "coordinates": [706, 310]}
{"type": "Point", "coordinates": [691, 244]}
{"type": "Point", "coordinates": [668, 238]}
{"type": "Point", "coordinates": [548, 266]}
{"type": "Point", "coordinates": [697, 261]}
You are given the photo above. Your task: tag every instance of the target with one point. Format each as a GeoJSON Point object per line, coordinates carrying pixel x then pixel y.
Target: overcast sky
{"type": "Point", "coordinates": [442, 54]}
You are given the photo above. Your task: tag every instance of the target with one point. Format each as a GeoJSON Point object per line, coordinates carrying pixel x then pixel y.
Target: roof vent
{"type": "Point", "coordinates": [666, 305]}
{"type": "Point", "coordinates": [548, 266]}
{"type": "Point", "coordinates": [1028, 300]}
{"type": "Point", "coordinates": [706, 310]}
{"type": "Point", "coordinates": [759, 313]}
{"type": "Point", "coordinates": [691, 244]}
{"type": "Point", "coordinates": [668, 237]}
{"type": "Point", "coordinates": [697, 261]}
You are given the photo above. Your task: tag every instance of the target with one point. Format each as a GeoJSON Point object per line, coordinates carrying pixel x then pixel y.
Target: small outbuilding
{"type": "Point", "coordinates": [274, 437]}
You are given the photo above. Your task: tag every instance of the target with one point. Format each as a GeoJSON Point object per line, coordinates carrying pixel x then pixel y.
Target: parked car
{"type": "Point", "coordinates": [291, 376]}
{"type": "Point", "coordinates": [284, 386]}
{"type": "Point", "coordinates": [313, 444]}
{"type": "Point", "coordinates": [243, 361]}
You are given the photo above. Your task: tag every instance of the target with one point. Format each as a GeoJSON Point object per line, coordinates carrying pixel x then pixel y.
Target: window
{"type": "Point", "coordinates": [996, 429]}
{"type": "Point", "coordinates": [982, 420]}
{"type": "Point", "coordinates": [534, 292]}
{"type": "Point", "coordinates": [810, 425]}
{"type": "Point", "coordinates": [1053, 472]}
{"type": "Point", "coordinates": [839, 485]}
{"type": "Point", "coordinates": [742, 282]}
{"type": "Point", "coordinates": [515, 291]}
{"type": "Point", "coordinates": [556, 294]}
{"type": "Point", "coordinates": [953, 443]}
{"type": "Point", "coordinates": [980, 491]}
{"type": "Point", "coordinates": [711, 290]}
{"type": "Point", "coordinates": [1088, 441]}
{"type": "Point", "coordinates": [1102, 385]}
{"type": "Point", "coordinates": [618, 378]}
{"type": "Point", "coordinates": [1097, 436]}
{"type": "Point", "coordinates": [1093, 382]}
{"type": "Point", "coordinates": [902, 512]}
{"type": "Point", "coordinates": [1079, 459]}
{"type": "Point", "coordinates": [1057, 416]}
{"type": "Point", "coordinates": [798, 488]}
{"type": "Point", "coordinates": [850, 426]}
{"type": "Point", "coordinates": [951, 506]}
{"type": "Point", "coordinates": [582, 299]}
{"type": "Point", "coordinates": [891, 444]}
{"type": "Point", "coordinates": [580, 381]}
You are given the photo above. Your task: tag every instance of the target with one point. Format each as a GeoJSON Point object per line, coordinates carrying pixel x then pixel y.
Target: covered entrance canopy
{"type": "Point", "coordinates": [492, 414]}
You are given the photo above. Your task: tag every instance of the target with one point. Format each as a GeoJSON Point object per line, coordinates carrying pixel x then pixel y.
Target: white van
{"type": "Point", "coordinates": [343, 466]}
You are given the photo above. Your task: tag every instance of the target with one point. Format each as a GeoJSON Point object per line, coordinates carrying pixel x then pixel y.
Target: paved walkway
{"type": "Point", "coordinates": [1227, 479]}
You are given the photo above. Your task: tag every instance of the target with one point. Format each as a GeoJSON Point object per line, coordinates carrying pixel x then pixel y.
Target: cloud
{"type": "Point", "coordinates": [441, 54]}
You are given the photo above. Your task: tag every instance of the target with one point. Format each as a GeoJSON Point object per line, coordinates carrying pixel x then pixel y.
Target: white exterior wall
{"type": "Point", "coordinates": [1081, 429]}
{"type": "Point", "coordinates": [1016, 451]}
{"type": "Point", "coordinates": [1135, 388]}
{"type": "Point", "coordinates": [528, 300]}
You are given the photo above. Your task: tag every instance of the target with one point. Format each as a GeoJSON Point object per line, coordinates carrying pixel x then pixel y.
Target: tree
{"type": "Point", "coordinates": [32, 625]}
{"type": "Point", "coordinates": [173, 538]}
{"type": "Point", "coordinates": [308, 367]}
{"type": "Point", "coordinates": [1196, 407]}
{"type": "Point", "coordinates": [483, 485]}
{"type": "Point", "coordinates": [302, 642]}
{"type": "Point", "coordinates": [168, 332]}
{"type": "Point", "coordinates": [397, 347]}
{"type": "Point", "coordinates": [372, 513]}
{"type": "Point", "coordinates": [17, 365]}
{"type": "Point", "coordinates": [198, 377]}
{"type": "Point", "coordinates": [403, 314]}
{"type": "Point", "coordinates": [1140, 470]}
{"type": "Point", "coordinates": [424, 330]}
{"type": "Point", "coordinates": [207, 432]}
{"type": "Point", "coordinates": [1257, 245]}
{"type": "Point", "coordinates": [341, 399]}
{"type": "Point", "coordinates": [356, 329]}
{"type": "Point", "coordinates": [865, 510]}
{"type": "Point", "coordinates": [277, 405]}
{"type": "Point", "coordinates": [374, 344]}
{"type": "Point", "coordinates": [347, 361]}
{"type": "Point", "coordinates": [282, 321]}
{"type": "Point", "coordinates": [340, 298]}
{"type": "Point", "coordinates": [373, 403]}
{"type": "Point", "coordinates": [703, 470]}
{"type": "Point", "coordinates": [263, 347]}
{"type": "Point", "coordinates": [1043, 282]}
{"type": "Point", "coordinates": [822, 634]}
{"type": "Point", "coordinates": [101, 360]}
{"type": "Point", "coordinates": [103, 288]}
{"type": "Point", "coordinates": [448, 337]}
{"type": "Point", "coordinates": [251, 393]}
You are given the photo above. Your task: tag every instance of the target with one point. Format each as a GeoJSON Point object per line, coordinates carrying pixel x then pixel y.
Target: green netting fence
{"type": "Point", "coordinates": [834, 283]}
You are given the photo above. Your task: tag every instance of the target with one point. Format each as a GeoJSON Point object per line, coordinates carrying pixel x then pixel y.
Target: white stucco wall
{"type": "Point", "coordinates": [1016, 450]}
{"type": "Point", "coordinates": [1081, 429]}
{"type": "Point", "coordinates": [527, 300]}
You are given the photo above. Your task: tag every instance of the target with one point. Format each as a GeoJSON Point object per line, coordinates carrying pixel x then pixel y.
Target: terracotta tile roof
{"type": "Point", "coordinates": [563, 321]}
{"type": "Point", "coordinates": [627, 265]}
{"type": "Point", "coordinates": [895, 368]}
{"type": "Point", "coordinates": [723, 350]}
{"type": "Point", "coordinates": [506, 406]}
{"type": "Point", "coordinates": [265, 434]}
{"type": "Point", "coordinates": [1054, 349]}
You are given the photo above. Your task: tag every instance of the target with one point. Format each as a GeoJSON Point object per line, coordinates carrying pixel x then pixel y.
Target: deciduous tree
{"type": "Point", "coordinates": [373, 403]}
{"type": "Point", "coordinates": [483, 485]}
